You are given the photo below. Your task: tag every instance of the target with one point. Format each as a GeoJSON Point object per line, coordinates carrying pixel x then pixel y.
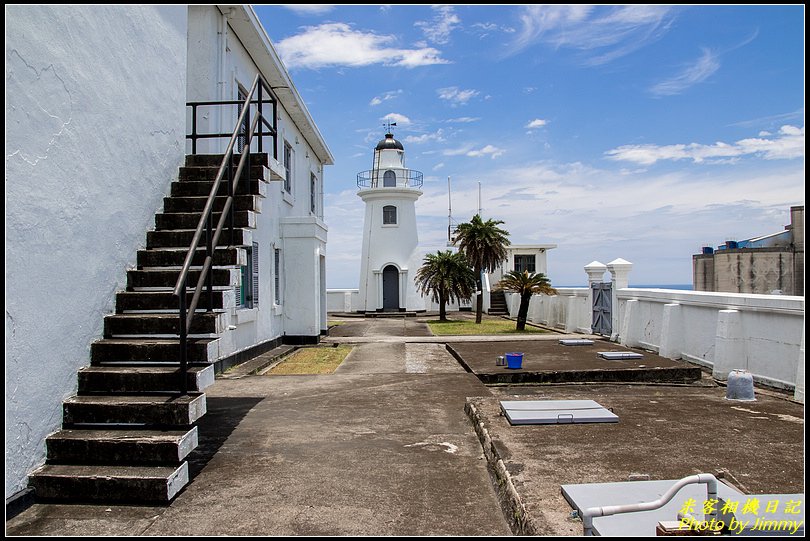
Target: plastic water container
{"type": "Point", "coordinates": [740, 386]}
{"type": "Point", "coordinates": [514, 360]}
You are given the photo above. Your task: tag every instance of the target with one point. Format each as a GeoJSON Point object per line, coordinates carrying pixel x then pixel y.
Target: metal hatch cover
{"type": "Point", "coordinates": [576, 342]}
{"type": "Point", "coordinates": [619, 355]}
{"type": "Point", "coordinates": [551, 412]}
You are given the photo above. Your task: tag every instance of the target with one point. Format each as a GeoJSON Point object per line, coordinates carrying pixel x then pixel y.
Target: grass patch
{"type": "Point", "coordinates": [311, 361]}
{"type": "Point", "coordinates": [487, 326]}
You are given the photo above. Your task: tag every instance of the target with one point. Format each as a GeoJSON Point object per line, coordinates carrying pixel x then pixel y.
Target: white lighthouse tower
{"type": "Point", "coordinates": [390, 258]}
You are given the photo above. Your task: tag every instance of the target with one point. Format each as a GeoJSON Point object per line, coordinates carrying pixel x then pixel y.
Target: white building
{"type": "Point", "coordinates": [390, 257]}
{"type": "Point", "coordinates": [96, 125]}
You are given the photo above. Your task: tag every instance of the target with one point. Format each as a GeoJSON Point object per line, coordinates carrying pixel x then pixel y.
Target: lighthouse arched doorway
{"type": "Point", "coordinates": [390, 278]}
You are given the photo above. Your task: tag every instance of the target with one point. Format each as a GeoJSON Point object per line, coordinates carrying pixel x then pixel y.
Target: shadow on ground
{"type": "Point", "coordinates": [223, 416]}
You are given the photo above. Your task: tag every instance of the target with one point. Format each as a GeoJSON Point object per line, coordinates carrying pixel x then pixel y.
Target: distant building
{"type": "Point", "coordinates": [767, 264]}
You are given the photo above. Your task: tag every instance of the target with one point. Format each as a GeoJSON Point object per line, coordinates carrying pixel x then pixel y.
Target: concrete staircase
{"type": "Point", "coordinates": [128, 430]}
{"type": "Point", "coordinates": [497, 304]}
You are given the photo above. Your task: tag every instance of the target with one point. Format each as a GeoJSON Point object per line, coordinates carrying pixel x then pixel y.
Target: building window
{"type": "Point", "coordinates": [525, 262]}
{"type": "Point", "coordinates": [289, 155]}
{"type": "Point", "coordinates": [389, 179]}
{"type": "Point", "coordinates": [241, 139]}
{"type": "Point", "coordinates": [313, 193]}
{"type": "Point", "coordinates": [247, 292]}
{"type": "Point", "coordinates": [277, 275]}
{"type": "Point", "coordinates": [389, 215]}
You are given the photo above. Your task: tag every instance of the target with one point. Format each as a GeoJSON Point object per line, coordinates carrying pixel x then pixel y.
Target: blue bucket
{"type": "Point", "coordinates": [514, 360]}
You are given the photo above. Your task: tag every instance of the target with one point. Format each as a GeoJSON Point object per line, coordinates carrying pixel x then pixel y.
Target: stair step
{"type": "Point", "coordinates": [190, 220]}
{"type": "Point", "coordinates": [120, 446]}
{"type": "Point", "coordinates": [175, 257]}
{"type": "Point", "coordinates": [129, 350]}
{"type": "Point", "coordinates": [207, 173]}
{"type": "Point", "coordinates": [181, 238]}
{"type": "Point", "coordinates": [197, 204]}
{"type": "Point", "coordinates": [215, 160]}
{"type": "Point", "coordinates": [141, 324]}
{"type": "Point", "coordinates": [129, 301]}
{"type": "Point", "coordinates": [120, 484]}
{"type": "Point", "coordinates": [151, 410]}
{"type": "Point", "coordinates": [142, 379]}
{"type": "Point", "coordinates": [168, 277]}
{"type": "Point", "coordinates": [186, 189]}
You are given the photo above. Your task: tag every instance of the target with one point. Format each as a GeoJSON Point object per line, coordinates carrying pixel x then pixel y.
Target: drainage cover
{"type": "Point", "coordinates": [619, 355]}
{"type": "Point", "coordinates": [576, 342]}
{"type": "Point", "coordinates": [552, 412]}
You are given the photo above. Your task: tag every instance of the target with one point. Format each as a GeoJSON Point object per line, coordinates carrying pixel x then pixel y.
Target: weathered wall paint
{"type": "Point", "coordinates": [95, 127]}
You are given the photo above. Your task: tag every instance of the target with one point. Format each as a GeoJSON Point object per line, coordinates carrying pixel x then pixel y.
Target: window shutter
{"type": "Point", "coordinates": [255, 270]}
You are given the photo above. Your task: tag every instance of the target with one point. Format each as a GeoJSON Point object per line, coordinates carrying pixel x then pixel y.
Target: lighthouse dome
{"type": "Point", "coordinates": [389, 143]}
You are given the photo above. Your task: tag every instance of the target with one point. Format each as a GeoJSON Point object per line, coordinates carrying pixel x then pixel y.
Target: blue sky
{"type": "Point", "coordinates": [635, 132]}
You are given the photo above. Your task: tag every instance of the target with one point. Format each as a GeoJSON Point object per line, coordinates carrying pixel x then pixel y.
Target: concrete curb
{"type": "Point", "coordinates": [511, 504]}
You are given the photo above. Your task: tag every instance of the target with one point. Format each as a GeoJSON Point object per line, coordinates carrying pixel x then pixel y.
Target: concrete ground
{"type": "Point", "coordinates": [546, 361]}
{"type": "Point", "coordinates": [664, 432]}
{"type": "Point", "coordinates": [382, 447]}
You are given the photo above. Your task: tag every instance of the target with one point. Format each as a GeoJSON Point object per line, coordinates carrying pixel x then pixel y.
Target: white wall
{"type": "Point", "coordinates": [95, 127]}
{"type": "Point", "coordinates": [218, 62]}
{"type": "Point", "coordinates": [723, 331]}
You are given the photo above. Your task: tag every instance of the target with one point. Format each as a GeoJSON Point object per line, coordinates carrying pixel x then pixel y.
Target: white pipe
{"type": "Point", "coordinates": [702, 478]}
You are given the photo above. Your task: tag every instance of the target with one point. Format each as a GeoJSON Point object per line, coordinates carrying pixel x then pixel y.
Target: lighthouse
{"type": "Point", "coordinates": [389, 258]}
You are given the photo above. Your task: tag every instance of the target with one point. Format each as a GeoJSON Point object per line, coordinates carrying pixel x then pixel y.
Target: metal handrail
{"type": "Point", "coordinates": [372, 178]}
{"type": "Point", "coordinates": [188, 310]}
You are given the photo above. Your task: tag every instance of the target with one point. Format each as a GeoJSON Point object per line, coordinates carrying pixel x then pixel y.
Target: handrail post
{"type": "Point", "coordinates": [261, 118]}
{"type": "Point", "coordinates": [183, 343]}
{"type": "Point", "coordinates": [275, 129]}
{"type": "Point", "coordinates": [194, 129]}
{"type": "Point", "coordinates": [209, 250]}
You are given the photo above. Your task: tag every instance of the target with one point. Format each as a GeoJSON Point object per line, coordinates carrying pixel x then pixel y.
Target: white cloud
{"type": "Point", "coordinates": [462, 120]}
{"type": "Point", "coordinates": [455, 95]}
{"type": "Point", "coordinates": [468, 150]}
{"type": "Point", "coordinates": [391, 94]}
{"type": "Point", "coordinates": [536, 123]}
{"type": "Point", "coordinates": [337, 44]}
{"type": "Point", "coordinates": [787, 144]}
{"type": "Point", "coordinates": [485, 29]}
{"type": "Point", "coordinates": [438, 29]}
{"type": "Point", "coordinates": [401, 120]}
{"type": "Point", "coordinates": [438, 166]}
{"type": "Point", "coordinates": [436, 136]}
{"type": "Point", "coordinates": [310, 9]}
{"type": "Point", "coordinates": [693, 74]}
{"type": "Point", "coordinates": [600, 33]}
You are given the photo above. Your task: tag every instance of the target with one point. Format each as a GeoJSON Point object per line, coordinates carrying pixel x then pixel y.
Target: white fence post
{"type": "Point", "coordinates": [798, 393]}
{"type": "Point", "coordinates": [619, 272]}
{"type": "Point", "coordinates": [729, 345]}
{"type": "Point", "coordinates": [671, 344]}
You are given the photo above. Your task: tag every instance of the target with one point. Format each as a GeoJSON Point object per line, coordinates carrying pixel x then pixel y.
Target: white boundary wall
{"type": "Point", "coordinates": [763, 334]}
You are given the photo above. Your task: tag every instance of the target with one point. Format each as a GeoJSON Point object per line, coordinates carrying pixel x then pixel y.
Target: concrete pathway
{"type": "Point", "coordinates": [381, 447]}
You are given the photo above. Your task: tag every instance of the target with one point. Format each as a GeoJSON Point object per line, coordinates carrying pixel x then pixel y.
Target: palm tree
{"type": "Point", "coordinates": [484, 245]}
{"type": "Point", "coordinates": [446, 276]}
{"type": "Point", "coordinates": [527, 284]}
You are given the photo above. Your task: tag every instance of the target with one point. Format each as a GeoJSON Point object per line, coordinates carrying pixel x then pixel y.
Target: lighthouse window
{"type": "Point", "coordinates": [389, 179]}
{"type": "Point", "coordinates": [389, 214]}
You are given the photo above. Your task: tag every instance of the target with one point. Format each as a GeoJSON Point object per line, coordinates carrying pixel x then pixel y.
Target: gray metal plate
{"type": "Point", "coordinates": [643, 523]}
{"type": "Point", "coordinates": [543, 412]}
{"type": "Point", "coordinates": [619, 355]}
{"type": "Point", "coordinates": [576, 342]}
